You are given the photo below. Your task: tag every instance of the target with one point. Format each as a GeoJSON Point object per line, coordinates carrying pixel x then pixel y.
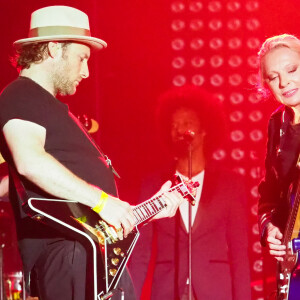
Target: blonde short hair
{"type": "Point", "coordinates": [283, 40]}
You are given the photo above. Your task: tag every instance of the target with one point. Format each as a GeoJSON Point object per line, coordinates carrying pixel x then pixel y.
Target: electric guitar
{"type": "Point", "coordinates": [107, 254]}
{"type": "Point", "coordinates": [288, 274]}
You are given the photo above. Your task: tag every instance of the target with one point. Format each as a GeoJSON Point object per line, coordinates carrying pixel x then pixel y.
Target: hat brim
{"type": "Point", "coordinates": [95, 43]}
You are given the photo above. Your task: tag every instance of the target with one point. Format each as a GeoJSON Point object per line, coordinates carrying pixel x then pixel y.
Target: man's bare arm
{"type": "Point", "coordinates": [26, 141]}
{"type": "Point", "coordinates": [4, 186]}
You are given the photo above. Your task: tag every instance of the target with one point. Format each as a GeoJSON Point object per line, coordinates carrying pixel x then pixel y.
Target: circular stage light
{"type": "Point", "coordinates": [179, 80]}
{"type": "Point", "coordinates": [198, 80]}
{"type": "Point", "coordinates": [235, 61]}
{"type": "Point", "coordinates": [177, 7]}
{"type": "Point", "coordinates": [216, 43]}
{"type": "Point", "coordinates": [215, 24]}
{"type": "Point", "coordinates": [196, 24]}
{"type": "Point", "coordinates": [236, 116]}
{"type": "Point", "coordinates": [234, 43]}
{"type": "Point", "coordinates": [195, 6]}
{"type": "Point", "coordinates": [197, 62]}
{"type": "Point", "coordinates": [236, 98]}
{"type": "Point", "coordinates": [233, 6]}
{"type": "Point", "coordinates": [216, 80]}
{"type": "Point", "coordinates": [178, 62]}
{"type": "Point", "coordinates": [177, 25]}
{"type": "Point", "coordinates": [216, 61]}
{"type": "Point", "coordinates": [214, 6]}
{"type": "Point", "coordinates": [234, 24]}
{"type": "Point", "coordinates": [177, 44]}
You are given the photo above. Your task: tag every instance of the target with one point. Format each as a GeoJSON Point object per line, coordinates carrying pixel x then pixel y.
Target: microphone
{"type": "Point", "coordinates": [187, 136]}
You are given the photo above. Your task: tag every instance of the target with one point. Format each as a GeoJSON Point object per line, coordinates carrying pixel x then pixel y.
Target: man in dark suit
{"type": "Point", "coordinates": [220, 266]}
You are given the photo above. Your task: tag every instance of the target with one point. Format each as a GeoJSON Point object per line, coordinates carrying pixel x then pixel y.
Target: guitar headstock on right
{"type": "Point", "coordinates": [91, 125]}
{"type": "Point", "coordinates": [187, 188]}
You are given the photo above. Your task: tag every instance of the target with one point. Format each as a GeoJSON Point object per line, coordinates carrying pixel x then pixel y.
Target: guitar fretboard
{"type": "Point", "coordinates": [153, 206]}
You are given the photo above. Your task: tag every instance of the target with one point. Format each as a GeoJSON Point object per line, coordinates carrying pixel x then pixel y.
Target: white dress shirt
{"type": "Point", "coordinates": [184, 207]}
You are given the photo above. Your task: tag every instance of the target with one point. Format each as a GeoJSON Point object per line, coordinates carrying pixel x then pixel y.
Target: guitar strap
{"type": "Point", "coordinates": [85, 131]}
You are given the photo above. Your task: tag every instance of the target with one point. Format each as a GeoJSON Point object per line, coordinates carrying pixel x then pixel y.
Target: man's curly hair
{"type": "Point", "coordinates": [32, 53]}
{"type": "Point", "coordinates": [207, 107]}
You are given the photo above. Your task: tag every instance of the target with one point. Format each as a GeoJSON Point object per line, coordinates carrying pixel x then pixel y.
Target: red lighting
{"type": "Point", "coordinates": [177, 7]}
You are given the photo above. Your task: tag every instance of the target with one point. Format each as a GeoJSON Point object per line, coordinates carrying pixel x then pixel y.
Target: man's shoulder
{"type": "Point", "coordinates": [23, 85]}
{"type": "Point", "coordinates": [9, 86]}
{"type": "Point", "coordinates": [17, 86]}
{"type": "Point", "coordinates": [222, 173]}
{"type": "Point", "coordinates": [23, 91]}
{"type": "Point", "coordinates": [227, 185]}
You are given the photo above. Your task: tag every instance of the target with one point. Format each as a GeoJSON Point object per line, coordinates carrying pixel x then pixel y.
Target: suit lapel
{"type": "Point", "coordinates": [181, 223]}
{"type": "Point", "coordinates": [210, 179]}
{"type": "Point", "coordinates": [206, 197]}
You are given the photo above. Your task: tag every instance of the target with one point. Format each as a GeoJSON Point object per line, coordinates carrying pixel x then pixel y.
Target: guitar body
{"type": "Point", "coordinates": [294, 286]}
{"type": "Point", "coordinates": [288, 275]}
{"type": "Point", "coordinates": [107, 255]}
{"type": "Point", "coordinates": [106, 259]}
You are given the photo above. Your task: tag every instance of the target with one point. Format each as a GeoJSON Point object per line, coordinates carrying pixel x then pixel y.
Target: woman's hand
{"type": "Point", "coordinates": [273, 240]}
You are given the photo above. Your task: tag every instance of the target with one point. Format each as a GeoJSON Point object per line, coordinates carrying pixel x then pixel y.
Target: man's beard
{"type": "Point", "coordinates": [61, 82]}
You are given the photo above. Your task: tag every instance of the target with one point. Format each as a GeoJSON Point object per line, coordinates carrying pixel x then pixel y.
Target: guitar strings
{"type": "Point", "coordinates": [142, 211]}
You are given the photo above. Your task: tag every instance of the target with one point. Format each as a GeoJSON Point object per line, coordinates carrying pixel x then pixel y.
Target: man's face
{"type": "Point", "coordinates": [71, 68]}
{"type": "Point", "coordinates": [182, 121]}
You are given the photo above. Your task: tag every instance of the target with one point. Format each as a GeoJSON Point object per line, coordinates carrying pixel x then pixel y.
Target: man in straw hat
{"type": "Point", "coordinates": [51, 154]}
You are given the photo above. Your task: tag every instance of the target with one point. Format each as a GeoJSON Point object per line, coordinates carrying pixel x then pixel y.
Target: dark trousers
{"type": "Point", "coordinates": [60, 273]}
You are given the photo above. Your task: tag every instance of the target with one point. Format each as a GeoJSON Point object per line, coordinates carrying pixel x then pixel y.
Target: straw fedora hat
{"type": "Point", "coordinates": [60, 23]}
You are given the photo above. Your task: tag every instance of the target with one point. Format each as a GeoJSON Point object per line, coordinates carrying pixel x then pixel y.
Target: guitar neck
{"type": "Point", "coordinates": [153, 206]}
{"type": "Point", "coordinates": [292, 225]}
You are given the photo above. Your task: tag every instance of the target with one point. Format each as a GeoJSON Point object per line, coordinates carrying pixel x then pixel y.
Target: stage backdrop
{"type": "Point", "coordinates": [154, 45]}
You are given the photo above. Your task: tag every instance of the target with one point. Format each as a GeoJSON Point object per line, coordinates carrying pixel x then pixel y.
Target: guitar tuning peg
{"type": "Point", "coordinates": [91, 125]}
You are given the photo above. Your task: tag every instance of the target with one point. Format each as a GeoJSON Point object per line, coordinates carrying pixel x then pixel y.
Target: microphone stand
{"type": "Point", "coordinates": [190, 291]}
{"type": "Point", "coordinates": [187, 138]}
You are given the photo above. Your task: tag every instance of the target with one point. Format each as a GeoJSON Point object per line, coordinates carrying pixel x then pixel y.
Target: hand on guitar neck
{"type": "Point", "coordinates": [119, 214]}
{"type": "Point", "coordinates": [173, 200]}
{"type": "Point", "coordinates": [273, 240]}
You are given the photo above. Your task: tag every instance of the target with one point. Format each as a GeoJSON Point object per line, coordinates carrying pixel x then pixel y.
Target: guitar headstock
{"type": "Point", "coordinates": [91, 125]}
{"type": "Point", "coordinates": [187, 188]}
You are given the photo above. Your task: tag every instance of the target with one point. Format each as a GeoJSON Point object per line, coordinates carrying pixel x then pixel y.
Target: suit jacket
{"type": "Point", "coordinates": [220, 265]}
